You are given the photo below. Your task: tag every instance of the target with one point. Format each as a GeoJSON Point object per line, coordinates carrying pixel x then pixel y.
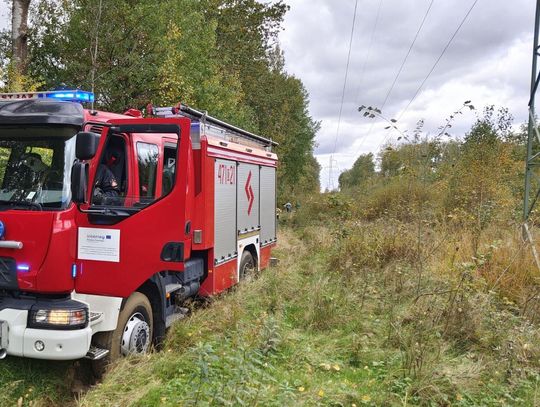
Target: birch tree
{"type": "Point", "coordinates": [19, 35]}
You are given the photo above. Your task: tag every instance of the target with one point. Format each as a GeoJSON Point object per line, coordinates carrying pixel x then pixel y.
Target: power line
{"type": "Point", "coordinates": [407, 55]}
{"type": "Point", "coordinates": [330, 177]}
{"type": "Point", "coordinates": [346, 75]}
{"type": "Point", "coordinates": [432, 69]}
{"type": "Point", "coordinates": [368, 54]}
{"type": "Point", "coordinates": [365, 136]}
{"type": "Point", "coordinates": [438, 59]}
{"type": "Point", "coordinates": [372, 35]}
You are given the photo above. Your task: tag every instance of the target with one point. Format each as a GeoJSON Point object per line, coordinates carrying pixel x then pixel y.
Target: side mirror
{"type": "Point", "coordinates": [79, 182]}
{"type": "Point", "coordinates": [86, 145]}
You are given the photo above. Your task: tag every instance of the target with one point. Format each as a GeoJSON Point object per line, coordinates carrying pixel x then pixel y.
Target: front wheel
{"type": "Point", "coordinates": [133, 333]}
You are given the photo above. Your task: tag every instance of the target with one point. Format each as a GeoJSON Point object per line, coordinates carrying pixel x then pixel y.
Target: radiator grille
{"type": "Point", "coordinates": [8, 274]}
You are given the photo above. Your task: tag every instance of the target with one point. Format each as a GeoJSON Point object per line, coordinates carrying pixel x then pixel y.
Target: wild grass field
{"type": "Point", "coordinates": [356, 313]}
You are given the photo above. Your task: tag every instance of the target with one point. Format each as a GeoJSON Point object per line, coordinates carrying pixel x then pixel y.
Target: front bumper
{"type": "Point", "coordinates": [59, 344]}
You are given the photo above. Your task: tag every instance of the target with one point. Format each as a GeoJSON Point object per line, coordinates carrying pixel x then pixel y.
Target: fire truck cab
{"type": "Point", "coordinates": [109, 222]}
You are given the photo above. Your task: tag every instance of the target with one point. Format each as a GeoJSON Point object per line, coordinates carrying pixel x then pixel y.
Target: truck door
{"type": "Point", "coordinates": [127, 240]}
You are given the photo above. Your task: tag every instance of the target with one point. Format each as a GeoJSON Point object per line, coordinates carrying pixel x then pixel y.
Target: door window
{"type": "Point", "coordinates": [110, 184]}
{"type": "Point", "coordinates": [147, 159]}
{"type": "Point", "coordinates": [169, 168]}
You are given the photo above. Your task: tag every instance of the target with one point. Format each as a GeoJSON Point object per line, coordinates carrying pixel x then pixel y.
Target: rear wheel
{"type": "Point", "coordinates": [247, 265]}
{"type": "Point", "coordinates": [133, 334]}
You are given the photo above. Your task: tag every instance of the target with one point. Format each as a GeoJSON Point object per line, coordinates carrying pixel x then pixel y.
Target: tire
{"type": "Point", "coordinates": [134, 322]}
{"type": "Point", "coordinates": [247, 265]}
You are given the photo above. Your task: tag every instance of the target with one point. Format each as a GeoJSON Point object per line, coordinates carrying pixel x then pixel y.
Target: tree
{"type": "Point", "coordinates": [19, 35]}
{"type": "Point", "coordinates": [14, 47]}
{"type": "Point", "coordinates": [391, 161]}
{"type": "Point", "coordinates": [362, 170]}
{"type": "Point", "coordinates": [135, 52]}
{"type": "Point", "coordinates": [481, 175]}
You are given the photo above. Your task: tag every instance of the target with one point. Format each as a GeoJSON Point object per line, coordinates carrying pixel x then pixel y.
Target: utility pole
{"type": "Point", "coordinates": [331, 184]}
{"type": "Point", "coordinates": [331, 173]}
{"type": "Point", "coordinates": [532, 164]}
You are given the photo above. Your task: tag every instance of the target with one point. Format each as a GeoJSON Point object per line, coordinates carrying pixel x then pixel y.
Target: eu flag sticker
{"type": "Point", "coordinates": [98, 244]}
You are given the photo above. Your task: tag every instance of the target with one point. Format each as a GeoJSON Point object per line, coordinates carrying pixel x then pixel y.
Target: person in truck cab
{"type": "Point", "coordinates": [31, 171]}
{"type": "Point", "coordinates": [34, 162]}
{"type": "Point", "coordinates": [106, 188]}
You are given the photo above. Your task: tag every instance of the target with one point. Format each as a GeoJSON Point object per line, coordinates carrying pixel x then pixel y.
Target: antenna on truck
{"type": "Point", "coordinates": [204, 118]}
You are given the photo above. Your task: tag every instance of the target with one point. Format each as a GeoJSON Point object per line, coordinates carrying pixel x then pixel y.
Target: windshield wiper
{"type": "Point", "coordinates": [21, 205]}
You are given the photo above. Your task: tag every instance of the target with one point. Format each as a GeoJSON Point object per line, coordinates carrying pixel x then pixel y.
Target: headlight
{"type": "Point", "coordinates": [58, 318]}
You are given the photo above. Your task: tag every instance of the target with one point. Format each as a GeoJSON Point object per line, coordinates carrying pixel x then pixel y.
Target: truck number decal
{"type": "Point", "coordinates": [227, 174]}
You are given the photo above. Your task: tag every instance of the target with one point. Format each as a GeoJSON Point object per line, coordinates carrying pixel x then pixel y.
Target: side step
{"type": "Point", "coordinates": [170, 288]}
{"type": "Point", "coordinates": [95, 353]}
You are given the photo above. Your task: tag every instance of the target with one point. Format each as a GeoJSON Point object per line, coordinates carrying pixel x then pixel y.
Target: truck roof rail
{"type": "Point", "coordinates": [204, 118]}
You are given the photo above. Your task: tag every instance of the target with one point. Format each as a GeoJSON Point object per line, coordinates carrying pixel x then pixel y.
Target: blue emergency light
{"type": "Point", "coordinates": [71, 95]}
{"type": "Point", "coordinates": [75, 95]}
{"type": "Point", "coordinates": [23, 267]}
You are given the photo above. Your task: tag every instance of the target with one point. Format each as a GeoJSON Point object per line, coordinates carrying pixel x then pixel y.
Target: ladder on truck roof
{"type": "Point", "coordinates": [212, 126]}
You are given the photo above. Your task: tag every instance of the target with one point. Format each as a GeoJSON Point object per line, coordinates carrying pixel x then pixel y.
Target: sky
{"type": "Point", "coordinates": [488, 62]}
{"type": "Point", "coordinates": [4, 14]}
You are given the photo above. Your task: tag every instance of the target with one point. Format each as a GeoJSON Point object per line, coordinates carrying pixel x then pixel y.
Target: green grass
{"type": "Point", "coordinates": [345, 319]}
{"type": "Point", "coordinates": [32, 381]}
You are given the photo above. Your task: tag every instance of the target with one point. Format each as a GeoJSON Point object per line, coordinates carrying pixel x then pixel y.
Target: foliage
{"type": "Point", "coordinates": [14, 81]}
{"type": "Point", "coordinates": [11, 80]}
{"type": "Point", "coordinates": [481, 183]}
{"type": "Point", "coordinates": [246, 43]}
{"type": "Point", "coordinates": [475, 180]}
{"type": "Point", "coordinates": [360, 173]}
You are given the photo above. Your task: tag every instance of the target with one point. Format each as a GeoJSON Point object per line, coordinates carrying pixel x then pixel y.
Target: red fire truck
{"type": "Point", "coordinates": [109, 222]}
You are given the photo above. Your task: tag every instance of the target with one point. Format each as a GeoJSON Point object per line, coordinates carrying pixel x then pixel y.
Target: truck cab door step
{"type": "Point", "coordinates": [95, 353]}
{"type": "Point", "coordinates": [171, 288]}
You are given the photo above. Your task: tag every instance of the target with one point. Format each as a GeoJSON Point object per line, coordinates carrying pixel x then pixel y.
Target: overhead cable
{"type": "Point", "coordinates": [438, 59]}
{"type": "Point", "coordinates": [346, 76]}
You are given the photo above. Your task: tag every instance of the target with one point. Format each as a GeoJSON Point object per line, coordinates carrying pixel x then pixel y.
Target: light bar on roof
{"type": "Point", "coordinates": [76, 95]}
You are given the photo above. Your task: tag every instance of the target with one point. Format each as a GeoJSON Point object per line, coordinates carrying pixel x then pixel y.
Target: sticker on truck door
{"type": "Point", "coordinates": [99, 244]}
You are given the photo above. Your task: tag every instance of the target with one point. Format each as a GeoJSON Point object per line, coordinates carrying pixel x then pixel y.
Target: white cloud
{"type": "Point", "coordinates": [488, 63]}
{"type": "Point", "coordinates": [4, 15]}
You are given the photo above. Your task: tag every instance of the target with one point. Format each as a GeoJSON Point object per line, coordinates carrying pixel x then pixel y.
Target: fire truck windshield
{"type": "Point", "coordinates": [35, 167]}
